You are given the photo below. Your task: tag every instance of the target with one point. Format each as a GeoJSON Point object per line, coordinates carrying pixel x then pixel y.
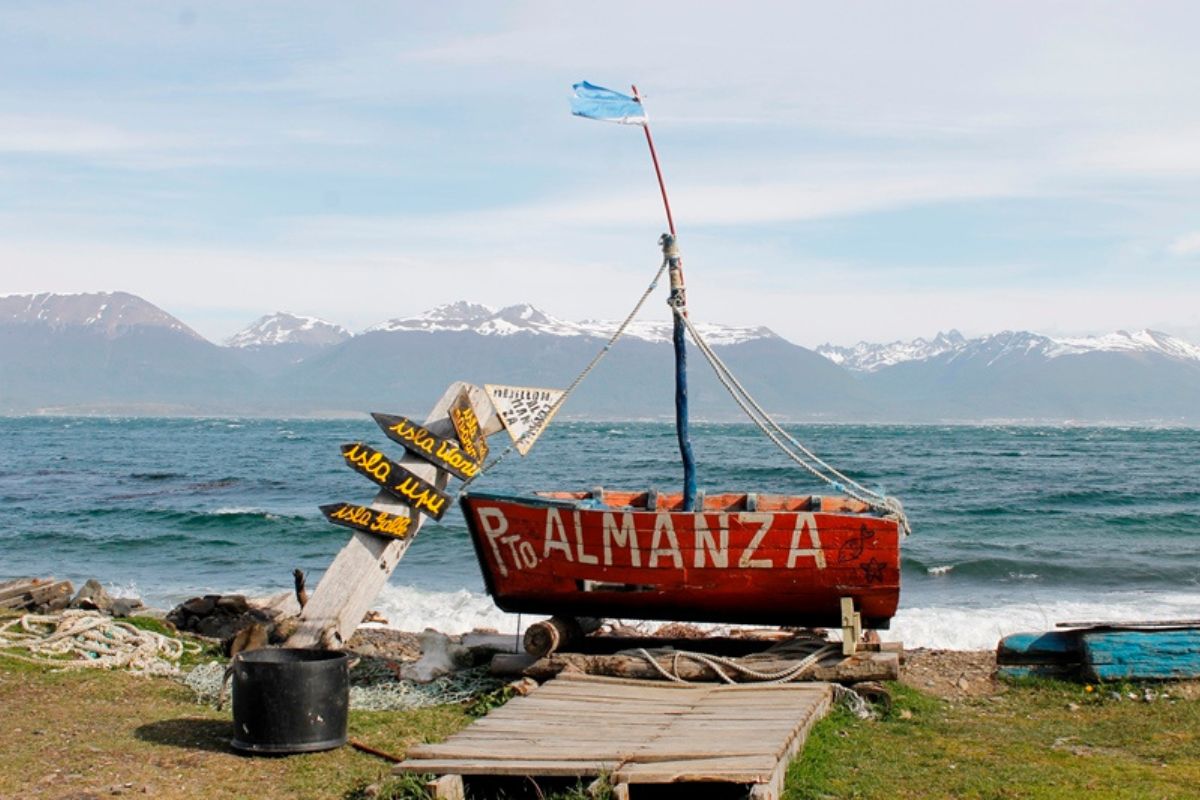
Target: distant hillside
{"type": "Point", "coordinates": [116, 353]}
{"type": "Point", "coordinates": [112, 351]}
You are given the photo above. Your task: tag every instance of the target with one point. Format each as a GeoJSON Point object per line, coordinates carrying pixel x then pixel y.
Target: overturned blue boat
{"type": "Point", "coordinates": [1105, 651]}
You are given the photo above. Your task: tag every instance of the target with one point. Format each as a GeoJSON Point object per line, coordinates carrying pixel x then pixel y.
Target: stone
{"type": "Point", "coordinates": [200, 606]}
{"type": "Point", "coordinates": [92, 597]}
{"type": "Point", "coordinates": [216, 616]}
{"type": "Point", "coordinates": [440, 655]}
{"type": "Point", "coordinates": [125, 606]}
{"type": "Point", "coordinates": [233, 604]}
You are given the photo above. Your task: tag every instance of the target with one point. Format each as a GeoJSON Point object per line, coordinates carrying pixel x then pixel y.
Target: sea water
{"type": "Point", "coordinates": [1014, 528]}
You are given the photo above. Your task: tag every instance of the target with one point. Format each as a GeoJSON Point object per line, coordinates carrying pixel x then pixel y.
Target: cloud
{"type": "Point", "coordinates": [1187, 245]}
{"type": "Point", "coordinates": [21, 133]}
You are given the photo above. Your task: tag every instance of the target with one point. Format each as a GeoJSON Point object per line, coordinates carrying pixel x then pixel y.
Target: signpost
{"type": "Point", "coordinates": [524, 410]}
{"type": "Point", "coordinates": [354, 579]}
{"type": "Point", "coordinates": [422, 495]}
{"type": "Point", "coordinates": [362, 518]}
{"type": "Point", "coordinates": [466, 425]}
{"type": "Point", "coordinates": [416, 439]}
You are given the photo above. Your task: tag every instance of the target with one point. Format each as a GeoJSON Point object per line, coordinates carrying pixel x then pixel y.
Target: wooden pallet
{"type": "Point", "coordinates": [637, 733]}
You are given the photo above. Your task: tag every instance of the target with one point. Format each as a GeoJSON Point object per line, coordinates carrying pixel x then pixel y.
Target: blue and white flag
{"type": "Point", "coordinates": [596, 102]}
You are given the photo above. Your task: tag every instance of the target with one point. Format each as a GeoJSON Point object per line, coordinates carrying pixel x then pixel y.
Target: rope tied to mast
{"type": "Point", "coordinates": [617, 334]}
{"type": "Point", "coordinates": [810, 461]}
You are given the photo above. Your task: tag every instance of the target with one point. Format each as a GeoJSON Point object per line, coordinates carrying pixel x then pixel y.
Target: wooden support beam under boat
{"type": "Point", "coordinates": [557, 633]}
{"type": "Point", "coordinates": [864, 666]}
{"type": "Point", "coordinates": [363, 566]}
{"type": "Point", "coordinates": [851, 627]}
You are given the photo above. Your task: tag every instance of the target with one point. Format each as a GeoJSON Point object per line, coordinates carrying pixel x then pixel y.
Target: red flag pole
{"type": "Point", "coordinates": [662, 187]}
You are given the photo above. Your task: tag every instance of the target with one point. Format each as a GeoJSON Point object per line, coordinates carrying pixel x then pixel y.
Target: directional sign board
{"type": "Point", "coordinates": [524, 410]}
{"type": "Point", "coordinates": [395, 479]}
{"type": "Point", "coordinates": [466, 425]}
{"type": "Point", "coordinates": [443, 453]}
{"type": "Point", "coordinates": [361, 518]}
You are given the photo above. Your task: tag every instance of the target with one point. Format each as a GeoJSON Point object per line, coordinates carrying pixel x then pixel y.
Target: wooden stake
{"type": "Point", "coordinates": [851, 627]}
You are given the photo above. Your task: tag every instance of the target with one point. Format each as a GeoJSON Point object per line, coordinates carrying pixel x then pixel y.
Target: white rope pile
{"type": "Point", "coordinates": [718, 664]}
{"type": "Point", "coordinates": [80, 639]}
{"type": "Point", "coordinates": [854, 702]}
{"type": "Point", "coordinates": [793, 449]}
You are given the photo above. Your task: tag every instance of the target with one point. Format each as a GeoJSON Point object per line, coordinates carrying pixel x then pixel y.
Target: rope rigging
{"type": "Point", "coordinates": [536, 430]}
{"type": "Point", "coordinates": [788, 444]}
{"type": "Point", "coordinates": [782, 439]}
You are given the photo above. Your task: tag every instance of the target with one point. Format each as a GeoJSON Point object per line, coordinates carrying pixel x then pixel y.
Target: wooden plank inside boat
{"type": "Point", "coordinates": [637, 732]}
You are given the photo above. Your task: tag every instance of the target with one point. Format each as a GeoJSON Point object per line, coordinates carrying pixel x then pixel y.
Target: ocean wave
{"type": "Point", "coordinates": [951, 627]}
{"type": "Point", "coordinates": [959, 628]}
{"type": "Point", "coordinates": [454, 612]}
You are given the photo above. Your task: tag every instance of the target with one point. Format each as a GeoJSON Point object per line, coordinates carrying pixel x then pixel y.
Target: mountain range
{"type": "Point", "coordinates": [117, 353]}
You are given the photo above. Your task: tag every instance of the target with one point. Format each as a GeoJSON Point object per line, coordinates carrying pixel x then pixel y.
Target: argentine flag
{"type": "Point", "coordinates": [596, 102]}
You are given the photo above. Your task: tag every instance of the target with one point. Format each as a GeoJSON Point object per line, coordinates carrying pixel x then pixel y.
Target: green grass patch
{"type": "Point", "coordinates": [1040, 739]}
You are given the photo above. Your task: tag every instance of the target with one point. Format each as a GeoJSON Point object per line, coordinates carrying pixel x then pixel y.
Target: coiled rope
{"type": "Point", "coordinates": [79, 639]}
{"type": "Point", "coordinates": [816, 466]}
{"type": "Point", "coordinates": [718, 664]}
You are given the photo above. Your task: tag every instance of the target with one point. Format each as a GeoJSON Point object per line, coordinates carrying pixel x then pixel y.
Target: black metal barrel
{"type": "Point", "coordinates": [290, 701]}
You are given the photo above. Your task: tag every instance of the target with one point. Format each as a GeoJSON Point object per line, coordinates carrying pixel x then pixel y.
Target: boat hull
{"type": "Point", "coordinates": [742, 559]}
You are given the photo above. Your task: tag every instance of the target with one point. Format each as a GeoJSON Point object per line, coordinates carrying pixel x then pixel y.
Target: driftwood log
{"type": "Point", "coordinates": [557, 633]}
{"type": "Point", "coordinates": [864, 666]}
{"type": "Point", "coordinates": [24, 594]}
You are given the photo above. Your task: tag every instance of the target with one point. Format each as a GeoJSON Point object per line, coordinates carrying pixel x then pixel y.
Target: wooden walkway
{"type": "Point", "coordinates": [635, 732]}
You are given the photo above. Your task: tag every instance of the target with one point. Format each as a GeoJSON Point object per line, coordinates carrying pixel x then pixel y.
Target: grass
{"type": "Point", "coordinates": [1041, 739]}
{"type": "Point", "coordinates": [86, 733]}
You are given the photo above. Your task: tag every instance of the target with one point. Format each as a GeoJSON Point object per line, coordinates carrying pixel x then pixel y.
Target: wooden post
{"type": "Point", "coordinates": [363, 566]}
{"type": "Point", "coordinates": [851, 627]}
{"type": "Point", "coordinates": [447, 787]}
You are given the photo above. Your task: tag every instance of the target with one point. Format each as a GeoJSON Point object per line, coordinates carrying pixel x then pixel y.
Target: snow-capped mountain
{"type": "Point", "coordinates": [111, 352]}
{"type": "Point", "coordinates": [868, 357]}
{"type": "Point", "coordinates": [109, 313]}
{"type": "Point", "coordinates": [284, 328]}
{"type": "Point", "coordinates": [953, 347]}
{"type": "Point", "coordinates": [116, 353]}
{"type": "Point", "coordinates": [524, 318]}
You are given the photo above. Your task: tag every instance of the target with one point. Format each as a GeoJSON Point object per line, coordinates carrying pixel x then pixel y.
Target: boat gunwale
{"type": "Point", "coordinates": [840, 505]}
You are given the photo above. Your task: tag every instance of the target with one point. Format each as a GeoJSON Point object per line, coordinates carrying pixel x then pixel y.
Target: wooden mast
{"type": "Point", "coordinates": [678, 303]}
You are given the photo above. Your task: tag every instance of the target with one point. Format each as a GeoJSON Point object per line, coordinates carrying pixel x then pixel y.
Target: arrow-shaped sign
{"type": "Point", "coordinates": [407, 487]}
{"type": "Point", "coordinates": [466, 425]}
{"type": "Point", "coordinates": [361, 518]}
{"type": "Point", "coordinates": [416, 439]}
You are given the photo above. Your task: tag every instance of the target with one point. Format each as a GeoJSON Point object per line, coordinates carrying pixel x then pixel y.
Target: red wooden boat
{"type": "Point", "coordinates": [740, 558]}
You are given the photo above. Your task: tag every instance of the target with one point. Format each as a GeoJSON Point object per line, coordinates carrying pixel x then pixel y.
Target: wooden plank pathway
{"type": "Point", "coordinates": [636, 733]}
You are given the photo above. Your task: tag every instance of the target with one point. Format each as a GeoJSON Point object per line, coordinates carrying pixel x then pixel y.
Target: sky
{"type": "Point", "coordinates": [838, 171]}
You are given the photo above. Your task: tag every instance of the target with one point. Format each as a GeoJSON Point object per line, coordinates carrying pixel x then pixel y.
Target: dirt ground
{"type": "Point", "coordinates": [951, 674]}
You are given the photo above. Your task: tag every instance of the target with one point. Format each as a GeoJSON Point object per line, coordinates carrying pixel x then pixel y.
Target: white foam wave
{"type": "Point", "coordinates": [942, 570]}
{"type": "Point", "coordinates": [408, 608]}
{"type": "Point", "coordinates": [231, 510]}
{"type": "Point", "coordinates": [950, 627]}
{"type": "Point", "coordinates": [959, 628]}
